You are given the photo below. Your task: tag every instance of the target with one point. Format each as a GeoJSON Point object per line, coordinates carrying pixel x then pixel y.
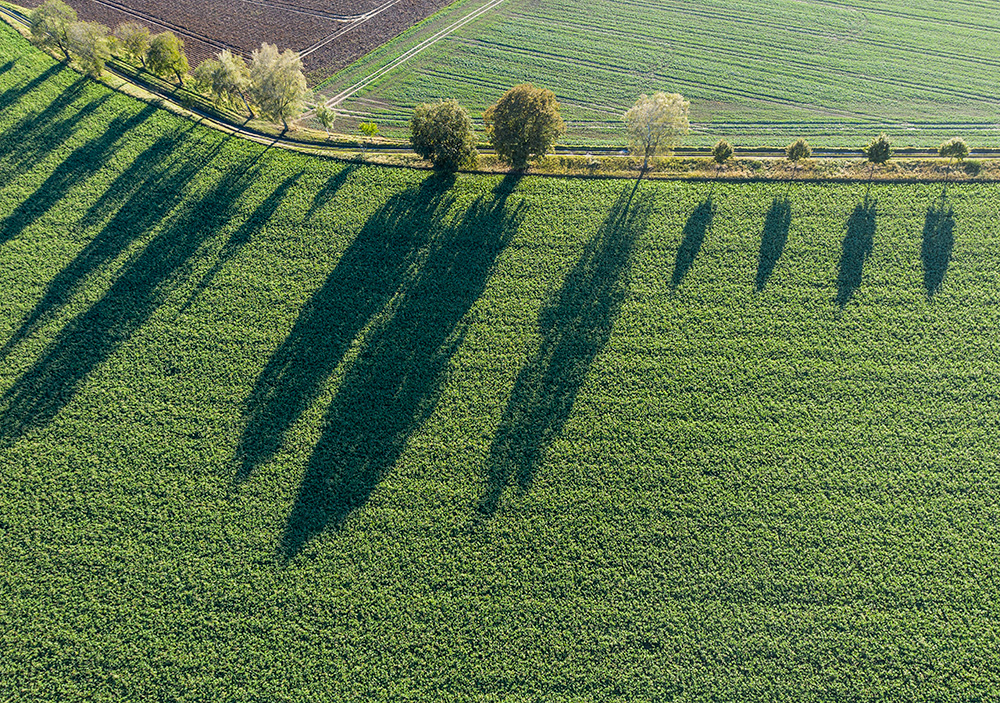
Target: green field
{"type": "Point", "coordinates": [834, 71]}
{"type": "Point", "coordinates": [280, 428]}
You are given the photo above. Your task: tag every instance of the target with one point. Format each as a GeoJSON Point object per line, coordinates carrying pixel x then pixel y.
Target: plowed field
{"type": "Point", "coordinates": [329, 34]}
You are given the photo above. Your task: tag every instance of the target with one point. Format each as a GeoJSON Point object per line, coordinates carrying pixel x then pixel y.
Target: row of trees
{"type": "Point", "coordinates": [273, 81]}
{"type": "Point", "coordinates": [54, 25]}
{"type": "Point", "coordinates": [523, 125]}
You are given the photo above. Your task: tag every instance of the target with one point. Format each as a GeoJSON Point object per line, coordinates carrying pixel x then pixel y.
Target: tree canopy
{"type": "Point", "coordinates": [656, 123]}
{"type": "Point", "coordinates": [442, 133]}
{"type": "Point", "coordinates": [277, 83]}
{"type": "Point", "coordinates": [722, 152]}
{"type": "Point", "coordinates": [226, 78]}
{"type": "Point", "coordinates": [879, 150]}
{"type": "Point", "coordinates": [88, 41]}
{"type": "Point", "coordinates": [326, 117]}
{"type": "Point", "coordinates": [955, 148]}
{"type": "Point", "coordinates": [524, 124]}
{"type": "Point", "coordinates": [49, 24]}
{"type": "Point", "coordinates": [134, 41]}
{"type": "Point", "coordinates": [166, 56]}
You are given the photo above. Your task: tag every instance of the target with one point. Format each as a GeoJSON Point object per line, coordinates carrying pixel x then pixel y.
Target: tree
{"type": "Point", "coordinates": [656, 123]}
{"type": "Point", "coordinates": [721, 153]}
{"type": "Point", "coordinates": [89, 42]}
{"type": "Point", "coordinates": [443, 134]}
{"type": "Point", "coordinates": [225, 78]}
{"type": "Point", "coordinates": [955, 149]}
{"type": "Point", "coordinates": [798, 150]}
{"type": "Point", "coordinates": [370, 130]}
{"type": "Point", "coordinates": [277, 83]}
{"type": "Point", "coordinates": [166, 56]}
{"type": "Point", "coordinates": [326, 117]}
{"type": "Point", "coordinates": [524, 124]}
{"type": "Point", "coordinates": [204, 77]}
{"type": "Point", "coordinates": [134, 41]}
{"type": "Point", "coordinates": [49, 23]}
{"type": "Point", "coordinates": [878, 151]}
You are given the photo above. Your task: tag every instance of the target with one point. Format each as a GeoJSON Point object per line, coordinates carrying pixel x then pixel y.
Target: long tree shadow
{"type": "Point", "coordinates": [157, 182]}
{"type": "Point", "coordinates": [93, 335]}
{"type": "Point", "coordinates": [148, 166]}
{"type": "Point", "coordinates": [38, 133]}
{"type": "Point", "coordinates": [13, 95]}
{"type": "Point", "coordinates": [938, 241]}
{"type": "Point", "coordinates": [364, 279]}
{"type": "Point", "coordinates": [575, 324]}
{"type": "Point", "coordinates": [242, 236]}
{"type": "Point", "coordinates": [856, 248]}
{"type": "Point", "coordinates": [773, 239]}
{"type": "Point", "coordinates": [695, 228]}
{"type": "Point", "coordinates": [77, 167]}
{"type": "Point", "coordinates": [395, 382]}
{"type": "Point", "coordinates": [324, 194]}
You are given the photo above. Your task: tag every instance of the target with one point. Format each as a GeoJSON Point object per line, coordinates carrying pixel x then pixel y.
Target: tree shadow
{"type": "Point", "coordinates": [773, 239]}
{"type": "Point", "coordinates": [242, 236]}
{"type": "Point", "coordinates": [147, 167]}
{"type": "Point", "coordinates": [938, 241]}
{"type": "Point", "coordinates": [694, 234]}
{"type": "Point", "coordinates": [13, 95]}
{"type": "Point", "coordinates": [157, 183]}
{"type": "Point", "coordinates": [856, 248]}
{"type": "Point", "coordinates": [77, 167]}
{"type": "Point", "coordinates": [38, 133]}
{"type": "Point", "coordinates": [364, 279]}
{"type": "Point", "coordinates": [576, 324]}
{"type": "Point", "coordinates": [92, 336]}
{"type": "Point", "coordinates": [395, 382]}
{"type": "Point", "coordinates": [329, 189]}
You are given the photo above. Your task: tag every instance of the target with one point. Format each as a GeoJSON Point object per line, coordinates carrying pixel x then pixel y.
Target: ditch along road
{"type": "Point", "coordinates": [342, 151]}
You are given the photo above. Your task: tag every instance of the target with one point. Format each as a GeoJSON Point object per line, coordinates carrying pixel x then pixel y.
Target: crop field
{"type": "Point", "coordinates": [281, 428]}
{"type": "Point", "coordinates": [834, 71]}
{"type": "Point", "coordinates": [328, 34]}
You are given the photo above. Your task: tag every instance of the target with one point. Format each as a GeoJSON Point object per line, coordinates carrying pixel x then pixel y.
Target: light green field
{"type": "Point", "coordinates": [762, 73]}
{"type": "Point", "coordinates": [278, 428]}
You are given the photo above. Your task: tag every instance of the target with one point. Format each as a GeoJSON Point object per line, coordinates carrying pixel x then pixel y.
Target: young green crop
{"type": "Point", "coordinates": [757, 74]}
{"type": "Point", "coordinates": [283, 428]}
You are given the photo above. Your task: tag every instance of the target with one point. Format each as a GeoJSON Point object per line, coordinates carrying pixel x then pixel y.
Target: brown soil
{"type": "Point", "coordinates": [206, 26]}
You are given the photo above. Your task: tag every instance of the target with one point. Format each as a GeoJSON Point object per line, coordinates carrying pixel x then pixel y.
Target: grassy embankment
{"type": "Point", "coordinates": [279, 428]}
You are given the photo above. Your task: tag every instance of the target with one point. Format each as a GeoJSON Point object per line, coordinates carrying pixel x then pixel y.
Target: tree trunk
{"type": "Point", "coordinates": [247, 104]}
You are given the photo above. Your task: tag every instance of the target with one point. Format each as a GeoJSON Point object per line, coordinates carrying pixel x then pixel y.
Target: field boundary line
{"type": "Point", "coordinates": [410, 53]}
{"type": "Point", "coordinates": [360, 20]}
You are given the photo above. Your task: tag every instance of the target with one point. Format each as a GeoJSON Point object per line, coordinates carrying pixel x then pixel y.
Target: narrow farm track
{"type": "Point", "coordinates": [414, 51]}
{"type": "Point", "coordinates": [355, 23]}
{"type": "Point", "coordinates": [217, 122]}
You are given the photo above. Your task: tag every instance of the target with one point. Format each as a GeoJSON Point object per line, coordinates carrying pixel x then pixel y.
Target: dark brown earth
{"type": "Point", "coordinates": [207, 26]}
